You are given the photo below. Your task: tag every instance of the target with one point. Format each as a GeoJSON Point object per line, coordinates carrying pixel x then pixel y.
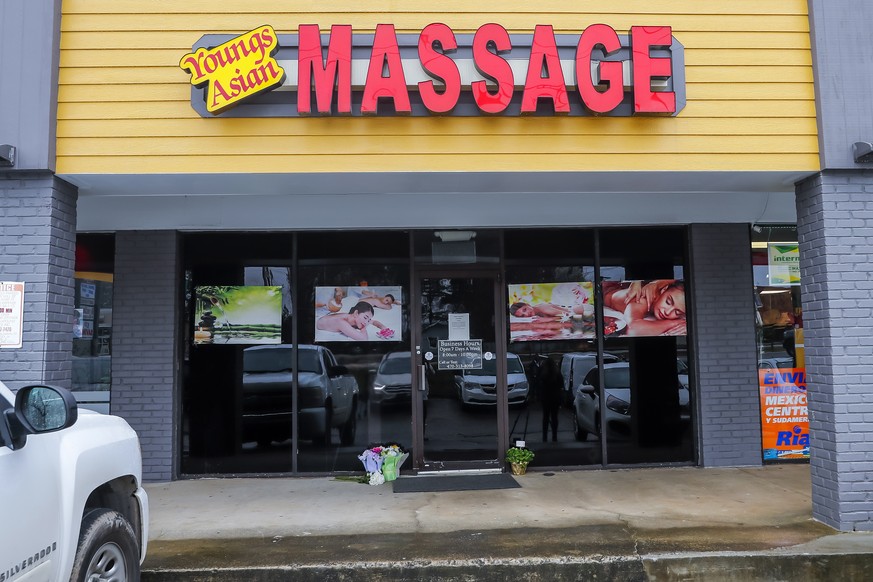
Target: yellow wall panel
{"type": "Point", "coordinates": [159, 40]}
{"type": "Point", "coordinates": [642, 7]}
{"type": "Point", "coordinates": [460, 23]}
{"type": "Point", "coordinates": [128, 163]}
{"type": "Point", "coordinates": [124, 105]}
{"type": "Point", "coordinates": [87, 128]}
{"type": "Point", "coordinates": [415, 145]}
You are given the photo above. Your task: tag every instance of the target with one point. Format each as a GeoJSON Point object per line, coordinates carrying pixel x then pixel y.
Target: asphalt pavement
{"type": "Point", "coordinates": [628, 524]}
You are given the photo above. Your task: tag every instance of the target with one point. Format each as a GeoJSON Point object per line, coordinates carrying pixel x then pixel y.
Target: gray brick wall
{"type": "Point", "coordinates": [37, 246]}
{"type": "Point", "coordinates": [144, 346]}
{"type": "Point", "coordinates": [835, 231]}
{"type": "Point", "coordinates": [724, 326]}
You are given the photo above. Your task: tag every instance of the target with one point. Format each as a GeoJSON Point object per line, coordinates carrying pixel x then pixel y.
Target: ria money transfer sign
{"type": "Point", "coordinates": [784, 414]}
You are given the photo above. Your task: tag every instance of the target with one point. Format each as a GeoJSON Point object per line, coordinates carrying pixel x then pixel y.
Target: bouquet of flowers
{"type": "Point", "coordinates": [382, 462]}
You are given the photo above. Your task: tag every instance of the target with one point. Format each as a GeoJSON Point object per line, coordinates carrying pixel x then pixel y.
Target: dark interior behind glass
{"type": "Point", "coordinates": [242, 405]}
{"type": "Point", "coordinates": [650, 418]}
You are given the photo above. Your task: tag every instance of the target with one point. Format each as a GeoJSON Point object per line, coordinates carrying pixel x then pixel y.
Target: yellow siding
{"type": "Point", "coordinates": [124, 105]}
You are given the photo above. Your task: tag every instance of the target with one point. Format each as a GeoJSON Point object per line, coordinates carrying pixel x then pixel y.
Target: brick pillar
{"type": "Point", "coordinates": [145, 312]}
{"type": "Point", "coordinates": [724, 325]}
{"type": "Point", "coordinates": [835, 232]}
{"type": "Point", "coordinates": [37, 246]}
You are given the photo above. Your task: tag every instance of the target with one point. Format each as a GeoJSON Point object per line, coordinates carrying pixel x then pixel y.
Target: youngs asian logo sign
{"type": "Point", "coordinates": [596, 72]}
{"type": "Point", "coordinates": [235, 70]}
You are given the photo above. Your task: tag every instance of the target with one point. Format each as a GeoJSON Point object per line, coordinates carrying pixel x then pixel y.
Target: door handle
{"type": "Point", "coordinates": [423, 378]}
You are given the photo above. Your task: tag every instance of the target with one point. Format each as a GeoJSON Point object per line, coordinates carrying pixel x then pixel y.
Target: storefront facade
{"type": "Point", "coordinates": [459, 209]}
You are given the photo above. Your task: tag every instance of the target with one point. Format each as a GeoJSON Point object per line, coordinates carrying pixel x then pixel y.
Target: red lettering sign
{"type": "Point", "coordinates": [604, 37]}
{"type": "Point", "coordinates": [386, 54]}
{"type": "Point", "coordinates": [492, 66]}
{"type": "Point", "coordinates": [439, 72]}
{"type": "Point", "coordinates": [336, 71]}
{"type": "Point", "coordinates": [439, 65]}
{"type": "Point", "coordinates": [647, 67]}
{"type": "Point", "coordinates": [544, 75]}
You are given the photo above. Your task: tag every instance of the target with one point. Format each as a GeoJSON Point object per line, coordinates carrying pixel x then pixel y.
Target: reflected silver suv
{"type": "Point", "coordinates": [393, 380]}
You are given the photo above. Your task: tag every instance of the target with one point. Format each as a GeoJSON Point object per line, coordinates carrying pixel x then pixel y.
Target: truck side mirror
{"type": "Point", "coordinates": [42, 408]}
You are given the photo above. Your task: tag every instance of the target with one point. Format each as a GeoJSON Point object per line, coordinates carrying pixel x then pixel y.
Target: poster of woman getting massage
{"type": "Point", "coordinates": [551, 311]}
{"type": "Point", "coordinates": [355, 313]}
{"type": "Point", "coordinates": [644, 308]}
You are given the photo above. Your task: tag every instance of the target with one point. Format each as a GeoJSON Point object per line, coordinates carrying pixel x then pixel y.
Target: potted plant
{"type": "Point", "coordinates": [518, 458]}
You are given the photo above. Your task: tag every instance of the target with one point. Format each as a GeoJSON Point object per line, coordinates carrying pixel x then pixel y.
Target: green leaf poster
{"type": "Point", "coordinates": [228, 314]}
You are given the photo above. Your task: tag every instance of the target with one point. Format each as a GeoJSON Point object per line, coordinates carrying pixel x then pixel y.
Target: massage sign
{"type": "Point", "coordinates": [437, 72]}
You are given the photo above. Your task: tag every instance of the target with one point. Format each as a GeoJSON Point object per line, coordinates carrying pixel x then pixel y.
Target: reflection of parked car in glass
{"type": "Point", "coordinates": [327, 395]}
{"type": "Point", "coordinates": [768, 364]}
{"type": "Point", "coordinates": [479, 387]}
{"type": "Point", "coordinates": [617, 389]}
{"type": "Point", "coordinates": [574, 367]}
{"type": "Point", "coordinates": [682, 369]}
{"type": "Point", "coordinates": [393, 380]}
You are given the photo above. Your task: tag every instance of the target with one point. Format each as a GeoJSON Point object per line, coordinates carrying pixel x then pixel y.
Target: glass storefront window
{"type": "Point", "coordinates": [373, 404]}
{"type": "Point", "coordinates": [550, 279]}
{"type": "Point", "coordinates": [237, 363]}
{"type": "Point", "coordinates": [779, 331]}
{"type": "Point", "coordinates": [270, 387]}
{"type": "Point", "coordinates": [302, 350]}
{"type": "Point", "coordinates": [354, 311]}
{"type": "Point", "coordinates": [779, 313]}
{"type": "Point", "coordinates": [647, 395]}
{"type": "Point", "coordinates": [92, 320]}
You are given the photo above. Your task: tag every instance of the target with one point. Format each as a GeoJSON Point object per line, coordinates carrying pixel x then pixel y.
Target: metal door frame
{"type": "Point", "coordinates": [454, 271]}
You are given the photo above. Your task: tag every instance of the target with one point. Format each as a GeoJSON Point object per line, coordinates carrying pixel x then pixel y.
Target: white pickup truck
{"type": "Point", "coordinates": [71, 502]}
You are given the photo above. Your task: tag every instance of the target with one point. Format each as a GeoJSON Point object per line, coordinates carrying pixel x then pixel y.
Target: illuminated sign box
{"type": "Point", "coordinates": [436, 72]}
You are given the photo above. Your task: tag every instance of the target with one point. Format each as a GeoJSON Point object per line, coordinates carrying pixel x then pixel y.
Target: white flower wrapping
{"type": "Point", "coordinates": [382, 463]}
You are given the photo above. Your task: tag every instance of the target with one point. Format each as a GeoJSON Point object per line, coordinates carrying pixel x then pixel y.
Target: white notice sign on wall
{"type": "Point", "coordinates": [459, 326]}
{"type": "Point", "coordinates": [11, 314]}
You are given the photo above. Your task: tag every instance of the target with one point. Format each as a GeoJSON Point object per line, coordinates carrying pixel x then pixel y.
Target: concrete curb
{"type": "Point", "coordinates": [735, 567]}
{"type": "Point", "coordinates": [558, 570]}
{"type": "Point", "coordinates": [764, 566]}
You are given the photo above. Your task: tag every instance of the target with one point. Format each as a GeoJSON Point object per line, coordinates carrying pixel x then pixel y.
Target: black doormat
{"type": "Point", "coordinates": [454, 483]}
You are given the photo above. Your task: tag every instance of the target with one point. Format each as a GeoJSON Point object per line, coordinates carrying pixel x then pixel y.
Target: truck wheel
{"type": "Point", "coordinates": [107, 548]}
{"type": "Point", "coordinates": [348, 430]}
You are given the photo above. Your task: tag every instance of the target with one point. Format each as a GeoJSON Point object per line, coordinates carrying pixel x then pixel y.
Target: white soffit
{"type": "Point", "coordinates": [408, 200]}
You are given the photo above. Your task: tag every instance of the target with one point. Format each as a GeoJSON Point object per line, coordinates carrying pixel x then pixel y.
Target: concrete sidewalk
{"type": "Point", "coordinates": [633, 524]}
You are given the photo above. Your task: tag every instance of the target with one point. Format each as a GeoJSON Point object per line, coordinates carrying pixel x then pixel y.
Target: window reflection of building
{"type": "Point", "coordinates": [92, 321]}
{"type": "Point", "coordinates": [779, 313]}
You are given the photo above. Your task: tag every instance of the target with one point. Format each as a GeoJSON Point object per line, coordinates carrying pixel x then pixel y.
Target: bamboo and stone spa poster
{"type": "Point", "coordinates": [227, 314]}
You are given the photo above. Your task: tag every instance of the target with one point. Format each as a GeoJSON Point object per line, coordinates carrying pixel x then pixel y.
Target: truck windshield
{"type": "Point", "coordinates": [309, 361]}
{"type": "Point", "coordinates": [398, 365]}
{"type": "Point", "coordinates": [264, 359]}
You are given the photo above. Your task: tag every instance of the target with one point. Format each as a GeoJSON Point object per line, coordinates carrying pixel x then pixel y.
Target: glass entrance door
{"type": "Point", "coordinates": [461, 392]}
